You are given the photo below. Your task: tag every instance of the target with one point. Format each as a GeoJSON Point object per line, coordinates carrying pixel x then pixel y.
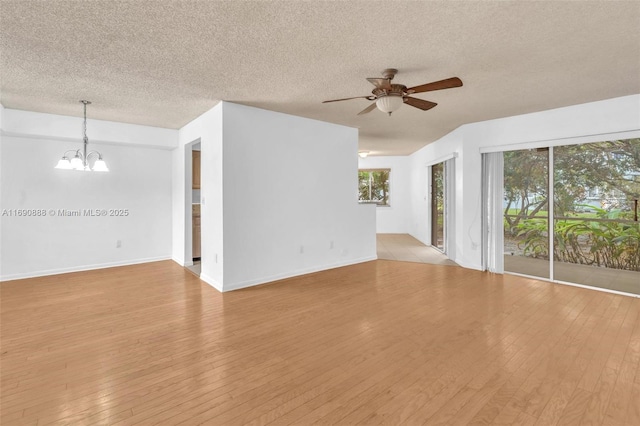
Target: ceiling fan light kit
{"type": "Point", "coordinates": [390, 97]}
{"type": "Point", "coordinates": [389, 103]}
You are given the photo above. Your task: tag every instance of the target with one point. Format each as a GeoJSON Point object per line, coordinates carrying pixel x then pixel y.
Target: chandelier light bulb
{"type": "Point", "coordinates": [100, 166]}
{"type": "Point", "coordinates": [64, 164]}
{"type": "Point", "coordinates": [77, 163]}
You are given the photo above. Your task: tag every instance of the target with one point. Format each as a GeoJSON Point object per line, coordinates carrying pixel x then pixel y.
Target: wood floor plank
{"type": "Point", "coordinates": [525, 419]}
{"type": "Point", "coordinates": [381, 342]}
{"type": "Point", "coordinates": [633, 413]}
{"type": "Point", "coordinates": [599, 401]}
{"type": "Point", "coordinates": [575, 409]}
{"type": "Point", "coordinates": [621, 395]}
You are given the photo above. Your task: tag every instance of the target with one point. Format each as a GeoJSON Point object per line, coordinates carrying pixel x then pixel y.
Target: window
{"type": "Point", "coordinates": [373, 186]}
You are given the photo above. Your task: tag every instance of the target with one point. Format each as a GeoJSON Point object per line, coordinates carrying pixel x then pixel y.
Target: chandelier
{"type": "Point", "coordinates": [80, 160]}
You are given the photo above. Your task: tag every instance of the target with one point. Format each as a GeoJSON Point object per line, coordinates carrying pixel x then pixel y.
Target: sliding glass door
{"type": "Point", "coordinates": [596, 228]}
{"type": "Point", "coordinates": [437, 206]}
{"type": "Point", "coordinates": [526, 212]}
{"type": "Point", "coordinates": [590, 234]}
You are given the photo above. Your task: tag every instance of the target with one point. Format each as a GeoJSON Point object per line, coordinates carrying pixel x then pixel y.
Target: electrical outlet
{"type": "Point", "coordinates": [301, 249]}
{"type": "Point", "coordinates": [118, 243]}
{"type": "Point", "coordinates": [331, 245]}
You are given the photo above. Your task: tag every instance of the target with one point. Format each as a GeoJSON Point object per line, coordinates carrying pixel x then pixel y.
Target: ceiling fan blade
{"type": "Point", "coordinates": [419, 103]}
{"type": "Point", "coordinates": [436, 85]}
{"type": "Point", "coordinates": [368, 109]}
{"type": "Point", "coordinates": [380, 83]}
{"type": "Point", "coordinates": [346, 99]}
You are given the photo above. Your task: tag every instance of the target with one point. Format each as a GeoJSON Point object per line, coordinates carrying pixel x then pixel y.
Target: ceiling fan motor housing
{"type": "Point", "coordinates": [389, 73]}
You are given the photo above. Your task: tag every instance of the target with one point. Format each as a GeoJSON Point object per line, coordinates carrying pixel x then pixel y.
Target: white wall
{"type": "Point", "coordinates": [205, 130]}
{"type": "Point", "coordinates": [420, 225]}
{"type": "Point", "coordinates": [211, 199]}
{"type": "Point", "coordinates": [395, 218]}
{"type": "Point", "coordinates": [139, 180]}
{"type": "Point", "coordinates": [596, 121]}
{"type": "Point", "coordinates": [290, 197]}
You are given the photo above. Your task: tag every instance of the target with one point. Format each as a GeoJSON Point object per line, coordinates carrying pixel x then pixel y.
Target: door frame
{"type": "Point", "coordinates": [188, 202]}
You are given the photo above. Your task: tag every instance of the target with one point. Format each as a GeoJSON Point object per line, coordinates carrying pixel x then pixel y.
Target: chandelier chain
{"type": "Point", "coordinates": [85, 103]}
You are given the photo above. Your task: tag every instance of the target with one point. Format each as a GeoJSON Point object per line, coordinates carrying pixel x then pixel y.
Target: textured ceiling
{"type": "Point", "coordinates": [162, 63]}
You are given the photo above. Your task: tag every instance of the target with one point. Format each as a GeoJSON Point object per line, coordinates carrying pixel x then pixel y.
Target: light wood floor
{"type": "Point", "coordinates": [382, 342]}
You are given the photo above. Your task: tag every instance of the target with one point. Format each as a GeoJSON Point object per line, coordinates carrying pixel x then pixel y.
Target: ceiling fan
{"type": "Point", "coordinates": [389, 97]}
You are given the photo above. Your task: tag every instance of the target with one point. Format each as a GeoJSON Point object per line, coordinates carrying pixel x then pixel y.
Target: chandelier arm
{"type": "Point", "coordinates": [96, 153]}
{"type": "Point", "coordinates": [76, 151]}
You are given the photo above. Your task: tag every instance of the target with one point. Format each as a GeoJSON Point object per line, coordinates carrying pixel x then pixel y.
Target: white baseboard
{"type": "Point", "coordinates": [179, 261]}
{"type": "Point", "coordinates": [81, 268]}
{"type": "Point", "coordinates": [213, 283]}
{"type": "Point", "coordinates": [469, 265]}
{"type": "Point", "coordinates": [207, 279]}
{"type": "Point", "coordinates": [264, 280]}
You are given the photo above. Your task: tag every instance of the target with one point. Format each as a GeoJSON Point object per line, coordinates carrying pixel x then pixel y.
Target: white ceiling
{"type": "Point", "coordinates": [163, 63]}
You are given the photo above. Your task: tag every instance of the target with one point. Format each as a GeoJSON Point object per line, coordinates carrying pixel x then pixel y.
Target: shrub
{"type": "Point", "coordinates": [607, 242]}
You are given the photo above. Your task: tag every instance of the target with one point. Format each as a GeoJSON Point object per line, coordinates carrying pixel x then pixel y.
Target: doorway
{"type": "Point", "coordinates": [192, 207]}
{"type": "Point", "coordinates": [195, 199]}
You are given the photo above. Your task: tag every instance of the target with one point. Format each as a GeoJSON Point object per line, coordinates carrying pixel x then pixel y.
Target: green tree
{"type": "Point", "coordinates": [525, 185]}
{"type": "Point", "coordinates": [611, 167]}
